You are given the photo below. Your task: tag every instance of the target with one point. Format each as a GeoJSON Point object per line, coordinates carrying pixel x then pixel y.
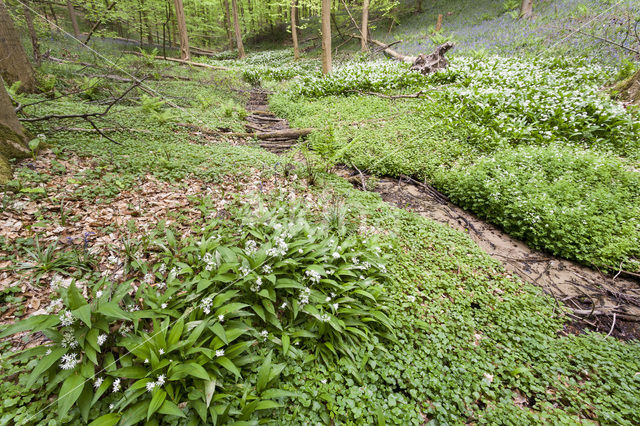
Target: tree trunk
{"type": "Point", "coordinates": [14, 64]}
{"type": "Point", "coordinates": [326, 36]}
{"type": "Point", "coordinates": [182, 28]}
{"type": "Point", "coordinates": [294, 29]}
{"type": "Point", "coordinates": [74, 21]}
{"type": "Point", "coordinates": [418, 6]}
{"type": "Point", "coordinates": [365, 26]}
{"type": "Point", "coordinates": [227, 23]}
{"type": "Point", "coordinates": [32, 32]}
{"type": "Point", "coordinates": [13, 140]}
{"type": "Point", "coordinates": [526, 9]}
{"type": "Point", "coordinates": [236, 27]}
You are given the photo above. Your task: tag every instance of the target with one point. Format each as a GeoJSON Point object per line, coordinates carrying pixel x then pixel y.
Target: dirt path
{"type": "Point", "coordinates": [609, 304]}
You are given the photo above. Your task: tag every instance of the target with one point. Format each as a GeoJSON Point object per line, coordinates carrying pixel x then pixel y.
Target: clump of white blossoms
{"type": "Point", "coordinates": [250, 246]}
{"type": "Point", "coordinates": [267, 269]}
{"type": "Point", "coordinates": [116, 386]}
{"type": "Point", "coordinates": [255, 287]}
{"type": "Point", "coordinates": [314, 276]}
{"type": "Point", "coordinates": [335, 255]}
{"type": "Point", "coordinates": [244, 271]}
{"type": "Point", "coordinates": [264, 334]}
{"type": "Point", "coordinates": [98, 382]}
{"type": "Point", "coordinates": [209, 260]}
{"type": "Point", "coordinates": [304, 296]}
{"type": "Point", "coordinates": [101, 339]}
{"type": "Point", "coordinates": [280, 249]}
{"type": "Point", "coordinates": [69, 361]}
{"type": "Point", "coordinates": [68, 340]}
{"type": "Point", "coordinates": [206, 303]}
{"type": "Point", "coordinates": [220, 352]}
{"type": "Point", "coordinates": [149, 278]}
{"type": "Point", "coordinates": [220, 318]}
{"type": "Point", "coordinates": [66, 318]}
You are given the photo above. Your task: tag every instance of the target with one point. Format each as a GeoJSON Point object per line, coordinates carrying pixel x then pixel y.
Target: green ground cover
{"type": "Point", "coordinates": [427, 327]}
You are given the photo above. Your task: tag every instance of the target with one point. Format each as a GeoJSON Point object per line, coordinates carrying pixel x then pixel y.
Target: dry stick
{"type": "Point", "coordinates": [410, 96]}
{"type": "Point", "coordinates": [181, 61]}
{"type": "Point", "coordinates": [352, 20]}
{"type": "Point", "coordinates": [288, 133]}
{"type": "Point", "coordinates": [612, 325]}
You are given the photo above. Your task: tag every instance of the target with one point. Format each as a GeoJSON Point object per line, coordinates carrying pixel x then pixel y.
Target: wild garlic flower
{"type": "Point", "coordinates": [220, 318]}
{"type": "Point", "coordinates": [411, 299]}
{"type": "Point", "coordinates": [98, 382]}
{"type": "Point", "coordinates": [101, 339]}
{"type": "Point", "coordinates": [163, 306]}
{"type": "Point", "coordinates": [69, 361]}
{"type": "Point", "coordinates": [335, 255]}
{"type": "Point", "coordinates": [264, 334]}
{"type": "Point", "coordinates": [206, 303]}
{"type": "Point", "coordinates": [266, 269]}
{"type": "Point", "coordinates": [149, 278]}
{"type": "Point", "coordinates": [304, 296]}
{"type": "Point", "coordinates": [160, 380]}
{"type": "Point", "coordinates": [161, 351]}
{"type": "Point", "coordinates": [284, 305]}
{"type": "Point", "coordinates": [68, 340]}
{"type": "Point", "coordinates": [336, 306]}
{"type": "Point", "coordinates": [115, 386]}
{"type": "Point", "coordinates": [150, 386]}
{"type": "Point", "coordinates": [220, 352]}
{"type": "Point", "coordinates": [250, 247]}
{"type": "Point", "coordinates": [244, 271]}
{"type": "Point", "coordinates": [162, 269]}
{"type": "Point", "coordinates": [314, 276]}
{"type": "Point", "coordinates": [98, 294]}
{"type": "Point", "coordinates": [66, 318]}
{"type": "Point", "coordinates": [280, 248]}
{"type": "Point", "coordinates": [255, 287]}
{"type": "Point", "coordinates": [324, 317]}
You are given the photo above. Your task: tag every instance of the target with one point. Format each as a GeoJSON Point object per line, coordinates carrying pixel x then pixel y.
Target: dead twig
{"type": "Point", "coordinates": [613, 325]}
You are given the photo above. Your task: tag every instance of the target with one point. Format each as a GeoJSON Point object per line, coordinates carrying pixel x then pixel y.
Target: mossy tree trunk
{"type": "Point", "coordinates": [13, 139]}
{"type": "Point", "coordinates": [14, 64]}
{"type": "Point", "coordinates": [629, 90]}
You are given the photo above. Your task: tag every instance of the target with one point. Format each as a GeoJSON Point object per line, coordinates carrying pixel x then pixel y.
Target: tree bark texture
{"type": "Point", "coordinates": [365, 26]}
{"type": "Point", "coordinates": [182, 29]}
{"type": "Point", "coordinates": [294, 29]}
{"type": "Point", "coordinates": [74, 20]}
{"type": "Point", "coordinates": [13, 139]}
{"type": "Point", "coordinates": [35, 44]}
{"type": "Point", "coordinates": [326, 36]}
{"type": "Point", "coordinates": [14, 64]}
{"type": "Point", "coordinates": [526, 9]}
{"type": "Point", "coordinates": [236, 27]}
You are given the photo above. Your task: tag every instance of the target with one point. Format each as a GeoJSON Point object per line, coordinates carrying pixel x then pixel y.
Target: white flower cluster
{"type": "Point", "coordinates": [313, 276]}
{"type": "Point", "coordinates": [206, 303]}
{"type": "Point", "coordinates": [66, 318]}
{"type": "Point", "coordinates": [250, 247]}
{"type": "Point", "coordinates": [69, 361]}
{"type": "Point", "coordinates": [255, 287]}
{"type": "Point", "coordinates": [304, 296]}
{"type": "Point", "coordinates": [101, 339]}
{"type": "Point", "coordinates": [280, 249]}
{"type": "Point", "coordinates": [210, 261]}
{"type": "Point", "coordinates": [158, 383]}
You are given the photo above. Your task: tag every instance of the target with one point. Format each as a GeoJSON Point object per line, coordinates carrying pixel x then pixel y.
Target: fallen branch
{"type": "Point", "coordinates": [410, 96]}
{"type": "Point", "coordinates": [388, 51]}
{"type": "Point", "coordinates": [181, 61]}
{"type": "Point", "coordinates": [110, 129]}
{"type": "Point", "coordinates": [606, 40]}
{"type": "Point", "coordinates": [288, 133]}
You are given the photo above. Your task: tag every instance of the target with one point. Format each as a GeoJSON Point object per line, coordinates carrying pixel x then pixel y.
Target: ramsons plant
{"type": "Point", "coordinates": [197, 338]}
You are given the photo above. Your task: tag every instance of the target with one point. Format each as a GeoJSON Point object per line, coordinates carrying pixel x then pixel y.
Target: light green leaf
{"type": "Point", "coordinates": [44, 365]}
{"type": "Point", "coordinates": [111, 309]}
{"type": "Point", "coordinates": [84, 313]}
{"type": "Point", "coordinates": [69, 393]}
{"type": "Point", "coordinates": [263, 374]}
{"type": "Point", "coordinates": [110, 419]}
{"type": "Point", "coordinates": [157, 400]}
{"type": "Point", "coordinates": [171, 409]}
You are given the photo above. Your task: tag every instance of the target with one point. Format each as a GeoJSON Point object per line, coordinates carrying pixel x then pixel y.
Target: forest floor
{"type": "Point", "coordinates": [476, 339]}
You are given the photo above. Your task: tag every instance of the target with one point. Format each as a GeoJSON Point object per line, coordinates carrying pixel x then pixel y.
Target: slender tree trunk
{"type": "Point", "coordinates": [227, 23]}
{"type": "Point", "coordinates": [526, 9]}
{"type": "Point", "coordinates": [14, 64]}
{"type": "Point", "coordinates": [236, 27]}
{"type": "Point", "coordinates": [418, 6]}
{"type": "Point", "coordinates": [182, 27]}
{"type": "Point", "coordinates": [326, 36]}
{"type": "Point", "coordinates": [294, 29]}
{"type": "Point", "coordinates": [13, 140]}
{"type": "Point", "coordinates": [365, 26]}
{"type": "Point", "coordinates": [32, 32]}
{"type": "Point", "coordinates": [74, 21]}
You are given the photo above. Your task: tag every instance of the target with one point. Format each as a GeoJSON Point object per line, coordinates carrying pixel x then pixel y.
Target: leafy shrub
{"type": "Point", "coordinates": [201, 340]}
{"type": "Point", "coordinates": [573, 203]}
